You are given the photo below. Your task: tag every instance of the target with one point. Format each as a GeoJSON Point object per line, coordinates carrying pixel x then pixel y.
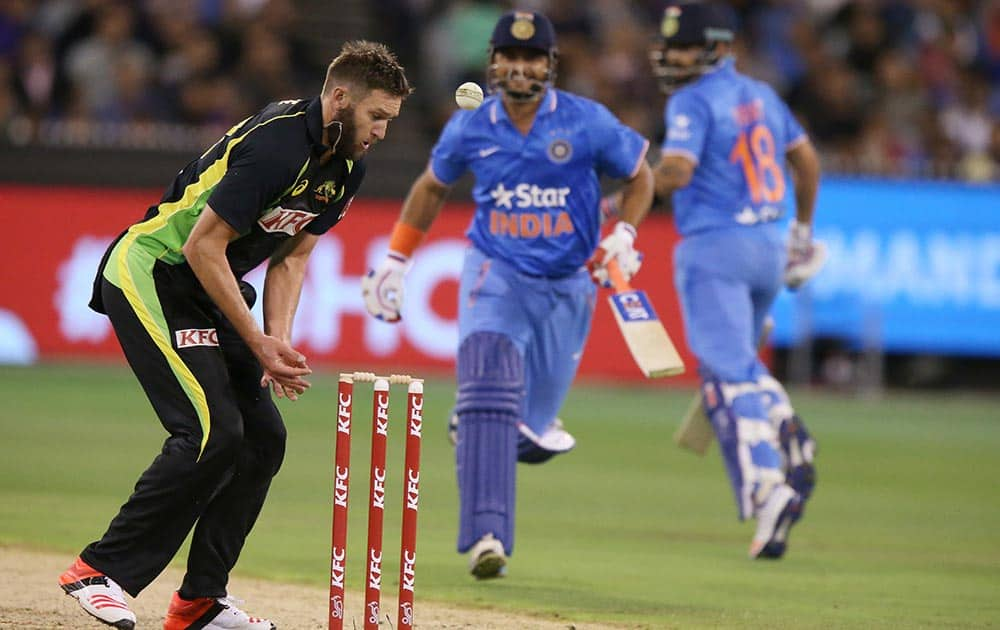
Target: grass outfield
{"type": "Point", "coordinates": [902, 531]}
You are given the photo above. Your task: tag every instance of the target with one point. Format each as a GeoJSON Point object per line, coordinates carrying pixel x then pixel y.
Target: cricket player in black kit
{"type": "Point", "coordinates": [171, 286]}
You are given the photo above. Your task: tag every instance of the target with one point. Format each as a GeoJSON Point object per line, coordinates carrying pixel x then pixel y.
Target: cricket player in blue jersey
{"type": "Point", "coordinates": [525, 298]}
{"type": "Point", "coordinates": [723, 160]}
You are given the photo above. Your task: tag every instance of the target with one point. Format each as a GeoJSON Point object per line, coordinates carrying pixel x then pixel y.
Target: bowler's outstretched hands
{"type": "Point", "coordinates": [284, 367]}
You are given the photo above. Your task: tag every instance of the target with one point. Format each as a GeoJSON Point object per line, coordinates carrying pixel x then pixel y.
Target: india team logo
{"type": "Point", "coordinates": [670, 24]}
{"type": "Point", "coordinates": [523, 26]}
{"type": "Point", "coordinates": [560, 151]}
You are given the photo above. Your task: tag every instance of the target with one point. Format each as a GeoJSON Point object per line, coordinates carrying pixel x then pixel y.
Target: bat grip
{"type": "Point", "coordinates": [618, 281]}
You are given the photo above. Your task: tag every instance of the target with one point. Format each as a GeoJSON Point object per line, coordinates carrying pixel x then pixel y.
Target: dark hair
{"type": "Point", "coordinates": [368, 65]}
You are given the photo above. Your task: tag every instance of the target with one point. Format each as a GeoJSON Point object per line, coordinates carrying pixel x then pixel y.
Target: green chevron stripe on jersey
{"type": "Point", "coordinates": [164, 235]}
{"type": "Point", "coordinates": [135, 278]}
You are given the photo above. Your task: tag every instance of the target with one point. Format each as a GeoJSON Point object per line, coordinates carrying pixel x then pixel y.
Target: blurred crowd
{"type": "Point", "coordinates": [199, 62]}
{"type": "Point", "coordinates": [905, 88]}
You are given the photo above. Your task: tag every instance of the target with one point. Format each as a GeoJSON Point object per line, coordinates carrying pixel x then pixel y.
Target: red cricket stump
{"type": "Point", "coordinates": [341, 474]}
{"type": "Point", "coordinates": [411, 495]}
{"type": "Point", "coordinates": [376, 505]}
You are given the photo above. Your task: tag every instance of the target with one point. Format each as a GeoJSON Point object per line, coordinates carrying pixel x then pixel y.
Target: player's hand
{"type": "Point", "coordinates": [285, 388]}
{"type": "Point", "coordinates": [805, 256]}
{"type": "Point", "coordinates": [619, 245]}
{"type": "Point", "coordinates": [284, 367]}
{"type": "Point", "coordinates": [382, 288]}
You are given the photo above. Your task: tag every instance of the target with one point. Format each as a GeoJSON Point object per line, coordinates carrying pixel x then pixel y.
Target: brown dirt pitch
{"type": "Point", "coordinates": [32, 600]}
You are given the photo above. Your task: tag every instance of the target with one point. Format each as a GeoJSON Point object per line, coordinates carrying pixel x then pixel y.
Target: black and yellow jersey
{"type": "Point", "coordinates": [263, 177]}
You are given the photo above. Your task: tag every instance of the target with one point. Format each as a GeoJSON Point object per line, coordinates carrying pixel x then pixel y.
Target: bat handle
{"type": "Point", "coordinates": [618, 281]}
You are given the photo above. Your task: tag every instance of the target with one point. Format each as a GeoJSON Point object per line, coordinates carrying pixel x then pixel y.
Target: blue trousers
{"type": "Point", "coordinates": [547, 319]}
{"type": "Point", "coordinates": [520, 342]}
{"type": "Point", "coordinates": [727, 281]}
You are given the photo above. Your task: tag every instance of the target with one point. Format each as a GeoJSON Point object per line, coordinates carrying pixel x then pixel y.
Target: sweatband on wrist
{"type": "Point", "coordinates": [628, 228]}
{"type": "Point", "coordinates": [405, 238]}
{"type": "Point", "coordinates": [801, 231]}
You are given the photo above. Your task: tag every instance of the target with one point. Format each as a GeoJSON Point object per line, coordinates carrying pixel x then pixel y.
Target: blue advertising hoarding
{"type": "Point", "coordinates": [914, 267]}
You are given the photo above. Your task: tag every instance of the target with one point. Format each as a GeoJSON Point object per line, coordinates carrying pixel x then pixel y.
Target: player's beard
{"type": "Point", "coordinates": [347, 146]}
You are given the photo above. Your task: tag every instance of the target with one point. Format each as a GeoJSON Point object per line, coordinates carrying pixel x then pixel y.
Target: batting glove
{"type": "Point", "coordinates": [805, 256]}
{"type": "Point", "coordinates": [619, 246]}
{"type": "Point", "coordinates": [382, 288]}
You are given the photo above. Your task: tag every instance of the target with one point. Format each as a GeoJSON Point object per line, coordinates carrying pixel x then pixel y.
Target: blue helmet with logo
{"type": "Point", "coordinates": [522, 29]}
{"type": "Point", "coordinates": [688, 25]}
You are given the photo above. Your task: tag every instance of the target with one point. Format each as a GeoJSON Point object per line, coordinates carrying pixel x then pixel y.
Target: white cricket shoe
{"type": "Point", "coordinates": [780, 511]}
{"type": "Point", "coordinates": [531, 447]}
{"type": "Point", "coordinates": [211, 613]}
{"type": "Point", "coordinates": [487, 558]}
{"type": "Point", "coordinates": [97, 594]}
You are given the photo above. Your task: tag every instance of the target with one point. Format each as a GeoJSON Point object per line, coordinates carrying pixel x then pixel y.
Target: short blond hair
{"type": "Point", "coordinates": [369, 66]}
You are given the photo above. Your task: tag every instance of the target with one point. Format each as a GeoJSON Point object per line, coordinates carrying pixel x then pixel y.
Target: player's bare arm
{"type": "Point", "coordinates": [382, 287]}
{"type": "Point", "coordinates": [805, 255]}
{"type": "Point", "coordinates": [672, 172]}
{"type": "Point", "coordinates": [805, 166]}
{"type": "Point", "coordinates": [424, 201]}
{"type": "Point", "coordinates": [637, 196]}
{"type": "Point", "coordinates": [205, 251]}
{"type": "Point", "coordinates": [286, 272]}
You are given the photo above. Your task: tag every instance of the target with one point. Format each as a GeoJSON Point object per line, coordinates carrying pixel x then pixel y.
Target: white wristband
{"type": "Point", "coordinates": [626, 231]}
{"type": "Point", "coordinates": [800, 231]}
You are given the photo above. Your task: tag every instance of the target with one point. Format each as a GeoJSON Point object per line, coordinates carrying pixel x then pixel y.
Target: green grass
{"type": "Point", "coordinates": [902, 531]}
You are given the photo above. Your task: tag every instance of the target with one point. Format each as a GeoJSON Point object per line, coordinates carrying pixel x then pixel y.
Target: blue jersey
{"type": "Point", "coordinates": [737, 131]}
{"type": "Point", "coordinates": [537, 195]}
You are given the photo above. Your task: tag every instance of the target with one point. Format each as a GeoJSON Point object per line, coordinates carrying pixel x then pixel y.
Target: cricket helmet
{"type": "Point", "coordinates": [522, 29]}
{"type": "Point", "coordinates": [703, 25]}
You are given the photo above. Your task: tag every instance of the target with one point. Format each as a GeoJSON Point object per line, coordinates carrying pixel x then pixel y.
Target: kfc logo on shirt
{"type": "Point", "coordinates": [281, 219]}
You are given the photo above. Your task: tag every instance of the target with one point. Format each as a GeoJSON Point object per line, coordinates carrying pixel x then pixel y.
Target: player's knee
{"type": "Point", "coordinates": [776, 400]}
{"type": "Point", "coordinates": [269, 448]}
{"type": "Point", "coordinates": [265, 434]}
{"type": "Point", "coordinates": [490, 376]}
{"type": "Point", "coordinates": [717, 411]}
{"type": "Point", "coordinates": [722, 363]}
{"type": "Point", "coordinates": [225, 440]}
{"type": "Point", "coordinates": [733, 407]}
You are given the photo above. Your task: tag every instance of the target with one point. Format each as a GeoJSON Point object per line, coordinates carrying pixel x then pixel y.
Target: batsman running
{"type": "Point", "coordinates": [525, 298]}
{"type": "Point", "coordinates": [723, 161]}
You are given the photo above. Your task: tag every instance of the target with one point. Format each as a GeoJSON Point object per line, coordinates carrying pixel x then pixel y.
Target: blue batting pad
{"type": "Point", "coordinates": [547, 319]}
{"type": "Point", "coordinates": [776, 401]}
{"type": "Point", "coordinates": [490, 399]}
{"type": "Point", "coordinates": [747, 440]}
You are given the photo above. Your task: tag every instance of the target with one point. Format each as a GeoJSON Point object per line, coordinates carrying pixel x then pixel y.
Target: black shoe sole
{"type": "Point", "coordinates": [775, 549]}
{"type": "Point", "coordinates": [489, 566]}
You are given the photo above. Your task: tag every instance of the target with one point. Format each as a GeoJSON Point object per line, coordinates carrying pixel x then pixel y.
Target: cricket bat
{"type": "Point", "coordinates": [695, 432]}
{"type": "Point", "coordinates": [644, 334]}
